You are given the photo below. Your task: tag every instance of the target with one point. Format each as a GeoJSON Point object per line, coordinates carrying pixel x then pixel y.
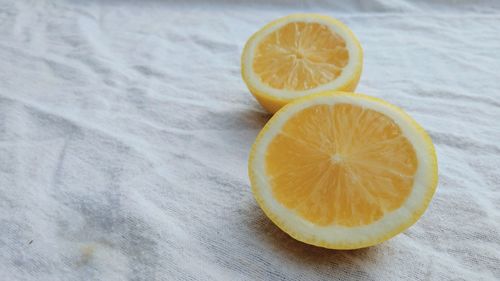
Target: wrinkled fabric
{"type": "Point", "coordinates": [125, 129]}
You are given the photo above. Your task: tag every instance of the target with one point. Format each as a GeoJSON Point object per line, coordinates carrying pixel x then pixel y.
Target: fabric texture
{"type": "Point", "coordinates": [125, 129]}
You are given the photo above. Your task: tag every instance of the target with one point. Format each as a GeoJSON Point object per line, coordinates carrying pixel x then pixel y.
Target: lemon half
{"type": "Point", "coordinates": [342, 170]}
{"type": "Point", "coordinates": [300, 55]}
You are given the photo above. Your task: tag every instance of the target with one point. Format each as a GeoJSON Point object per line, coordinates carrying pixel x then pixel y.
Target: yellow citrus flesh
{"type": "Point", "coordinates": [343, 170]}
{"type": "Point", "coordinates": [341, 164]}
{"type": "Point", "coordinates": [300, 56]}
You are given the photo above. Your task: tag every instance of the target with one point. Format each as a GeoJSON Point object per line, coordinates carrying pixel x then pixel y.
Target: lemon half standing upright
{"type": "Point", "coordinates": [342, 170]}
{"type": "Point", "coordinates": [300, 55]}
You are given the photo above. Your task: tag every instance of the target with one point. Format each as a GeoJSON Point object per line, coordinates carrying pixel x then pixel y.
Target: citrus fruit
{"type": "Point", "coordinates": [342, 170]}
{"type": "Point", "coordinates": [299, 55]}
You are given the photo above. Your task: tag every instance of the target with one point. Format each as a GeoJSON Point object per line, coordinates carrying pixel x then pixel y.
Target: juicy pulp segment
{"type": "Point", "coordinates": [300, 56]}
{"type": "Point", "coordinates": [341, 164]}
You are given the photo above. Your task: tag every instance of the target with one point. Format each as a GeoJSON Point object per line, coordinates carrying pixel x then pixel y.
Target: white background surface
{"type": "Point", "coordinates": [125, 130]}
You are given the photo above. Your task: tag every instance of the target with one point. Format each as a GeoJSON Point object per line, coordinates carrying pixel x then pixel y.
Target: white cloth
{"type": "Point", "coordinates": [125, 129]}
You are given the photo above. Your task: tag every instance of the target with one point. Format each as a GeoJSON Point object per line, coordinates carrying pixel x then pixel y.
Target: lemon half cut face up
{"type": "Point", "coordinates": [342, 170]}
{"type": "Point", "coordinates": [300, 55]}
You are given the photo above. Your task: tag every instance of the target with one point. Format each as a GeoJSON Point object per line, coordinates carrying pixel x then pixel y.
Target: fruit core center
{"type": "Point", "coordinates": [337, 159]}
{"type": "Point", "coordinates": [299, 54]}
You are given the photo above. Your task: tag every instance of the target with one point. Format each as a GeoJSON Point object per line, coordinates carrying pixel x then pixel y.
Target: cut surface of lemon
{"type": "Point", "coordinates": [300, 55]}
{"type": "Point", "coordinates": [342, 170]}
